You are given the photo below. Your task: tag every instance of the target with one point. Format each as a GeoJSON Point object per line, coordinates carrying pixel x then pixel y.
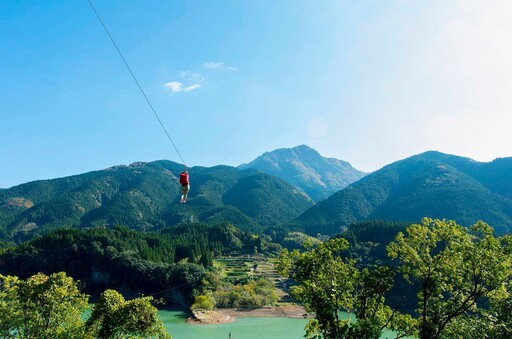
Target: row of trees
{"type": "Point", "coordinates": [53, 307]}
{"type": "Point", "coordinates": [463, 278]}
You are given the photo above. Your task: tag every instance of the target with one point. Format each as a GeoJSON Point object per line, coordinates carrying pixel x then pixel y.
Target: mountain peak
{"type": "Point", "coordinates": [442, 157]}
{"type": "Point", "coordinates": [305, 168]}
{"type": "Point", "coordinates": [292, 150]}
{"type": "Point", "coordinates": [304, 148]}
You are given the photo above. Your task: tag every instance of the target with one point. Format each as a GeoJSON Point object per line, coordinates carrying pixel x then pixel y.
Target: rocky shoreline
{"type": "Point", "coordinates": [209, 317]}
{"type": "Point", "coordinates": [228, 315]}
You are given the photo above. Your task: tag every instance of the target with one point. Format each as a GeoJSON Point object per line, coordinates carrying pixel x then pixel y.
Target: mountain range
{"type": "Point", "coordinates": [431, 184]}
{"type": "Point", "coordinates": [304, 167]}
{"type": "Point", "coordinates": [145, 196]}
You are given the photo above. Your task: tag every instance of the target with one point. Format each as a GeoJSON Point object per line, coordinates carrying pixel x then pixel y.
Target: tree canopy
{"type": "Point", "coordinates": [53, 307]}
{"type": "Point", "coordinates": [41, 307]}
{"type": "Point", "coordinates": [115, 317]}
{"type": "Point", "coordinates": [462, 277]}
{"type": "Point", "coordinates": [330, 283]}
{"type": "Point", "coordinates": [457, 269]}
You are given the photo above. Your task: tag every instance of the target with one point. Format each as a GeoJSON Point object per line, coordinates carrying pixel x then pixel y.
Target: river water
{"type": "Point", "coordinates": [242, 328]}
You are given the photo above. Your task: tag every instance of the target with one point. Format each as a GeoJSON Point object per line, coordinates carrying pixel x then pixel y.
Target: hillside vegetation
{"type": "Point", "coordinates": [175, 262]}
{"type": "Point", "coordinates": [429, 184]}
{"type": "Point", "coordinates": [145, 196]}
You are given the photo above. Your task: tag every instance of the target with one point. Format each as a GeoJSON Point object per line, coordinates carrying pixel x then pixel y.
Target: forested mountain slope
{"type": "Point", "coordinates": [145, 196]}
{"type": "Point", "coordinates": [430, 184]}
{"type": "Point", "coordinates": [305, 168]}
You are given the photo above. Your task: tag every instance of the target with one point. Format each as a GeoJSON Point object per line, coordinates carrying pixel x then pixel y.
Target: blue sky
{"type": "Point", "coordinates": [369, 82]}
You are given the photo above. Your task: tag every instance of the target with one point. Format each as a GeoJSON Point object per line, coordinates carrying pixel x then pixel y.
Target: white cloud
{"type": "Point", "coordinates": [174, 86]}
{"type": "Point", "coordinates": [196, 79]}
{"type": "Point", "coordinates": [191, 88]}
{"type": "Point", "coordinates": [219, 66]}
{"type": "Point", "coordinates": [177, 87]}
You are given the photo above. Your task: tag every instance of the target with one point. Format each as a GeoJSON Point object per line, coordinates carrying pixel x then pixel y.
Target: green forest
{"type": "Point", "coordinates": [176, 263]}
{"type": "Point", "coordinates": [434, 279]}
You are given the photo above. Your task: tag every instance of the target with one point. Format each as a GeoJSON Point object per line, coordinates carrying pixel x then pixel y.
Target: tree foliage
{"type": "Point", "coordinates": [330, 283]}
{"type": "Point", "coordinates": [457, 268]}
{"type": "Point", "coordinates": [41, 307]}
{"type": "Point", "coordinates": [53, 307]}
{"type": "Point", "coordinates": [203, 302]}
{"type": "Point", "coordinates": [115, 317]}
{"type": "Point", "coordinates": [500, 318]}
{"type": "Point", "coordinates": [254, 293]}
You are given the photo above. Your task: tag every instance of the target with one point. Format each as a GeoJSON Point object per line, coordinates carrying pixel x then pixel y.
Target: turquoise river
{"type": "Point", "coordinates": [242, 328]}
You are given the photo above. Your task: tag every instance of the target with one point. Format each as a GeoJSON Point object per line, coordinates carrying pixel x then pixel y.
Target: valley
{"type": "Point", "coordinates": [221, 253]}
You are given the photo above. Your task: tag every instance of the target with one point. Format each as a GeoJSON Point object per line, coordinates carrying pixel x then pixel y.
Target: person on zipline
{"type": "Point", "coordinates": [185, 186]}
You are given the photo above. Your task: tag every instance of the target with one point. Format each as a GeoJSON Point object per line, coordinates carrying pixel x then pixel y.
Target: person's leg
{"type": "Point", "coordinates": [185, 194]}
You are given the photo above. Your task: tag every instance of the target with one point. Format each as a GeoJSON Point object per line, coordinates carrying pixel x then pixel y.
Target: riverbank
{"type": "Point", "coordinates": [228, 315]}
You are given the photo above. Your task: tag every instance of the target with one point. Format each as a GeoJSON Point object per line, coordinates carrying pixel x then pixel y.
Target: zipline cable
{"type": "Point", "coordinates": [154, 112]}
{"type": "Point", "coordinates": [137, 82]}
